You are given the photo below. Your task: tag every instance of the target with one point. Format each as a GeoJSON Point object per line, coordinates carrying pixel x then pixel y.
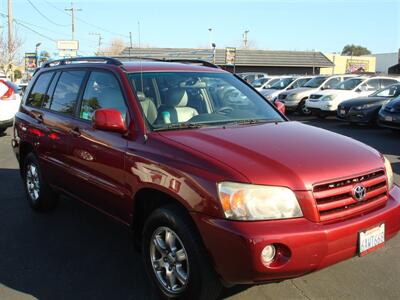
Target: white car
{"type": "Point", "coordinates": [266, 82]}
{"type": "Point", "coordinates": [284, 84]}
{"type": "Point", "coordinates": [10, 100]}
{"type": "Point", "coordinates": [326, 102]}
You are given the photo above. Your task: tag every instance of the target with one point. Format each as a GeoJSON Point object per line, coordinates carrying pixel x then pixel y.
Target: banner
{"type": "Point", "coordinates": [230, 56]}
{"type": "Point", "coordinates": [30, 62]}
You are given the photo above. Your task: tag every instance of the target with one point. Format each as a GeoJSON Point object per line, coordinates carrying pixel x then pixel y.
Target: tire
{"type": "Point", "coordinates": [2, 130]}
{"type": "Point", "coordinates": [321, 116]}
{"type": "Point", "coordinates": [201, 282]}
{"type": "Point", "coordinates": [303, 109]}
{"type": "Point", "coordinates": [39, 194]}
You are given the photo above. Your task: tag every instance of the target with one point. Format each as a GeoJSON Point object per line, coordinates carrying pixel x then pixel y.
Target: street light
{"type": "Point", "coordinates": [214, 51]}
{"type": "Point", "coordinates": [209, 36]}
{"type": "Point", "coordinates": [36, 52]}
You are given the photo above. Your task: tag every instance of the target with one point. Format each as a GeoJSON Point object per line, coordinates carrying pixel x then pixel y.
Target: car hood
{"type": "Point", "coordinates": [395, 103]}
{"type": "Point", "coordinates": [288, 154]}
{"type": "Point", "coordinates": [364, 100]}
{"type": "Point", "coordinates": [272, 92]}
{"type": "Point", "coordinates": [298, 90]}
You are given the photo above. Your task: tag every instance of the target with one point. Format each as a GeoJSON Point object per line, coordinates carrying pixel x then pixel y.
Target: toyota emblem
{"type": "Point", "coordinates": [359, 192]}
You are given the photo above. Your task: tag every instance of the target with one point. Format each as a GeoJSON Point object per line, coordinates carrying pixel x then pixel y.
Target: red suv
{"type": "Point", "coordinates": [218, 187]}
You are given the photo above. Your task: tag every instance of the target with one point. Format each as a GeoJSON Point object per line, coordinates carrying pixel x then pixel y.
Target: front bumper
{"type": "Point", "coordinates": [358, 116]}
{"type": "Point", "coordinates": [389, 120]}
{"type": "Point", "coordinates": [324, 106]}
{"type": "Point", "coordinates": [290, 105]}
{"type": "Point", "coordinates": [235, 246]}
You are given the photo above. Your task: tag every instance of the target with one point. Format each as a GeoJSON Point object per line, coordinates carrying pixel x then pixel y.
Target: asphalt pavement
{"type": "Point", "coordinates": [77, 253]}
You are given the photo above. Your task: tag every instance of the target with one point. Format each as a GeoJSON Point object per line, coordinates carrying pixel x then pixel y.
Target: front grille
{"type": "Point", "coordinates": [335, 199]}
{"type": "Point", "coordinates": [315, 96]}
{"type": "Point", "coordinates": [282, 96]}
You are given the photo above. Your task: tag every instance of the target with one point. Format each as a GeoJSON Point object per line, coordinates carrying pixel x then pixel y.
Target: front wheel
{"type": "Point", "coordinates": [304, 109]}
{"type": "Point", "coordinates": [175, 258]}
{"type": "Point", "coordinates": [39, 194]}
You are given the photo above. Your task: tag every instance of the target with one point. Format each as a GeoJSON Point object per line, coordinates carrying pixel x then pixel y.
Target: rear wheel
{"type": "Point", "coordinates": [39, 194]}
{"type": "Point", "coordinates": [175, 258]}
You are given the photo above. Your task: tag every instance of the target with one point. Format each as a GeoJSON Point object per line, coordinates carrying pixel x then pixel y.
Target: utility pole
{"type": "Point", "coordinates": [245, 40]}
{"type": "Point", "coordinates": [10, 31]}
{"type": "Point", "coordinates": [130, 43]}
{"type": "Point", "coordinates": [100, 39]}
{"type": "Point", "coordinates": [313, 62]}
{"type": "Point", "coordinates": [72, 10]}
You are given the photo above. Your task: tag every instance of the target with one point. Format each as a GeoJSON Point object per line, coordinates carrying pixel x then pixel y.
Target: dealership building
{"type": "Point", "coordinates": [268, 61]}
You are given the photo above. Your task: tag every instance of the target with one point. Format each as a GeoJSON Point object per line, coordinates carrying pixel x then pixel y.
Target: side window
{"type": "Point", "coordinates": [38, 91]}
{"type": "Point", "coordinates": [66, 92]}
{"type": "Point", "coordinates": [387, 82]}
{"type": "Point", "coordinates": [331, 83]}
{"type": "Point", "coordinates": [102, 91]}
{"type": "Point", "coordinates": [392, 91]}
{"type": "Point", "coordinates": [50, 90]}
{"type": "Point", "coordinates": [371, 85]}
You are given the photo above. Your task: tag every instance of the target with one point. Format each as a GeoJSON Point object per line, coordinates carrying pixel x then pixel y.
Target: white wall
{"type": "Point", "coordinates": [385, 60]}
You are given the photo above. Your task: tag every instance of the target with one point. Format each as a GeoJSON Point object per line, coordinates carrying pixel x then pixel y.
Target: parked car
{"type": "Point", "coordinates": [10, 101]}
{"type": "Point", "coordinates": [205, 177]}
{"type": "Point", "coordinates": [326, 102]}
{"type": "Point", "coordinates": [265, 82]}
{"type": "Point", "coordinates": [295, 100]}
{"type": "Point", "coordinates": [251, 76]}
{"type": "Point", "coordinates": [284, 84]}
{"type": "Point", "coordinates": [389, 114]}
{"type": "Point", "coordinates": [365, 109]}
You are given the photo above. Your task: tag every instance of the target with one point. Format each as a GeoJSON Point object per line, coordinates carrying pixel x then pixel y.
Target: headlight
{"type": "Point", "coordinates": [389, 173]}
{"type": "Point", "coordinates": [365, 106]}
{"type": "Point", "coordinates": [257, 202]}
{"type": "Point", "coordinates": [269, 97]}
{"type": "Point", "coordinates": [327, 98]}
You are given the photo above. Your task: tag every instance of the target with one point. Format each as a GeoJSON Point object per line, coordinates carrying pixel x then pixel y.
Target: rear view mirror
{"type": "Point", "coordinates": [109, 120]}
{"type": "Point", "coordinates": [280, 106]}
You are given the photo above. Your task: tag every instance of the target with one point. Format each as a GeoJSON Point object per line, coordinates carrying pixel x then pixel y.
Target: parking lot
{"type": "Point", "coordinates": [76, 253]}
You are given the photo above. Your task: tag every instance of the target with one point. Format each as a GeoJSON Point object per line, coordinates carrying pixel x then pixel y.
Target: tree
{"type": "Point", "coordinates": [17, 74]}
{"type": "Point", "coordinates": [9, 54]}
{"type": "Point", "coordinates": [116, 47]}
{"type": "Point", "coordinates": [355, 50]}
{"type": "Point", "coordinates": [43, 57]}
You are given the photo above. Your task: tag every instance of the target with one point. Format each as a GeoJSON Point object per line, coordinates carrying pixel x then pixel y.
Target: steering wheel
{"type": "Point", "coordinates": [224, 110]}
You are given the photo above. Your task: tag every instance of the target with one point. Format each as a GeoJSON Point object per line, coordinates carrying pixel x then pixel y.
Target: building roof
{"type": "Point", "coordinates": [265, 58]}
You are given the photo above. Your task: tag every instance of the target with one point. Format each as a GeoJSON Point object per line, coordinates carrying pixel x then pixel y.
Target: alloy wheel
{"type": "Point", "coordinates": [169, 260]}
{"type": "Point", "coordinates": [32, 182]}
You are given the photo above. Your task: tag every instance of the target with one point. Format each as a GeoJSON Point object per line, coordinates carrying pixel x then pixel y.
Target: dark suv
{"type": "Point", "coordinates": [216, 184]}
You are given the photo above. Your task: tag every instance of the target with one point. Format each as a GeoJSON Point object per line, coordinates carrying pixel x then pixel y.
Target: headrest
{"type": "Point", "coordinates": [141, 96]}
{"type": "Point", "coordinates": [176, 98]}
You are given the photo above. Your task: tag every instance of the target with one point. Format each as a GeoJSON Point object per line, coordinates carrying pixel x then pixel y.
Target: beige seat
{"type": "Point", "coordinates": [148, 107]}
{"type": "Point", "coordinates": [175, 107]}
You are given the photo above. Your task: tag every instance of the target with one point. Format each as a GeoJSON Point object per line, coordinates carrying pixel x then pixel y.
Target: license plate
{"type": "Point", "coordinates": [389, 118]}
{"type": "Point", "coordinates": [342, 112]}
{"type": "Point", "coordinates": [371, 239]}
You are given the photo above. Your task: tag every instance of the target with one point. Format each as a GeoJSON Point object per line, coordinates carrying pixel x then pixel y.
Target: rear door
{"type": "Point", "coordinates": [58, 109]}
{"type": "Point", "coordinates": [97, 157]}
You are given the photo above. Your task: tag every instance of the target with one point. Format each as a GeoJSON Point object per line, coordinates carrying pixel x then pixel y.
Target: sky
{"type": "Point", "coordinates": [323, 25]}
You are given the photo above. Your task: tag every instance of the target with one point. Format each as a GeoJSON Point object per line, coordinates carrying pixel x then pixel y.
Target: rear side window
{"type": "Point", "coordinates": [39, 89]}
{"type": "Point", "coordinates": [332, 83]}
{"type": "Point", "coordinates": [66, 92]}
{"type": "Point", "coordinates": [102, 91]}
{"type": "Point", "coordinates": [387, 82]}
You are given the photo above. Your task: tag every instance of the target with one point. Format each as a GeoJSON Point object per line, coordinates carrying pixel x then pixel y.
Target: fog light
{"type": "Point", "coordinates": [268, 254]}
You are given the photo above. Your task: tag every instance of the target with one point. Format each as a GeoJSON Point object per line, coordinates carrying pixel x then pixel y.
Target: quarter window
{"type": "Point", "coordinates": [102, 91]}
{"type": "Point", "coordinates": [66, 92]}
{"type": "Point", "coordinates": [37, 94]}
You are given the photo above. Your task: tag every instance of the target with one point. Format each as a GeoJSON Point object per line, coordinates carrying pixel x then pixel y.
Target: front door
{"type": "Point", "coordinates": [97, 157]}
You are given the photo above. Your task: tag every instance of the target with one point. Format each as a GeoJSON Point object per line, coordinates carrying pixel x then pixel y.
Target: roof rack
{"type": "Point", "coordinates": [199, 62]}
{"type": "Point", "coordinates": [83, 59]}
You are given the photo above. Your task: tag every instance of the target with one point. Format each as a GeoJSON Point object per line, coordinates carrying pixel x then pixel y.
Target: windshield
{"type": "Point", "coordinates": [315, 82]}
{"type": "Point", "coordinates": [259, 82]}
{"type": "Point", "coordinates": [349, 84]}
{"type": "Point", "coordinates": [175, 100]}
{"type": "Point", "coordinates": [282, 83]}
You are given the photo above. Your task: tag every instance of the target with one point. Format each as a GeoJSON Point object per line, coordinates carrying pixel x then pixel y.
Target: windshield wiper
{"type": "Point", "coordinates": [180, 126]}
{"type": "Point", "coordinates": [251, 121]}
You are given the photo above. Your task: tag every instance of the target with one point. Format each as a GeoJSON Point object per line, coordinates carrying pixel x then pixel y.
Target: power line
{"type": "Point", "coordinates": [44, 16]}
{"type": "Point", "coordinates": [87, 23]}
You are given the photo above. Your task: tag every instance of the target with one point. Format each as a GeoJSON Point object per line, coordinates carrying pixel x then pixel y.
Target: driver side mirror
{"type": "Point", "coordinates": [108, 119]}
{"type": "Point", "coordinates": [280, 106]}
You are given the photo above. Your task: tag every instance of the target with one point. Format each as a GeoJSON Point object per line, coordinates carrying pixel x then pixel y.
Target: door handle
{"type": "Point", "coordinates": [75, 131]}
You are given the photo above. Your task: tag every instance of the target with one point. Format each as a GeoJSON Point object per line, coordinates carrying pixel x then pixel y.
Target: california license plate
{"type": "Point", "coordinates": [371, 239]}
{"type": "Point", "coordinates": [389, 118]}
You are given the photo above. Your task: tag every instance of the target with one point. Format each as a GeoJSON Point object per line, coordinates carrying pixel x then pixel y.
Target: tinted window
{"type": "Point", "coordinates": [299, 83]}
{"type": "Point", "coordinates": [102, 91]}
{"type": "Point", "coordinates": [66, 92]}
{"type": "Point", "coordinates": [392, 91]}
{"type": "Point", "coordinates": [39, 89]}
{"type": "Point", "coordinates": [315, 82]}
{"type": "Point", "coordinates": [386, 82]}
